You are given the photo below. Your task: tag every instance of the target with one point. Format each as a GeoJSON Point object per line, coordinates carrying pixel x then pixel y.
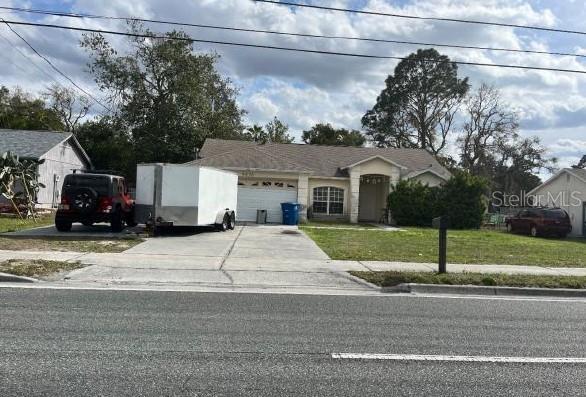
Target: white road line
{"type": "Point", "coordinates": [477, 359]}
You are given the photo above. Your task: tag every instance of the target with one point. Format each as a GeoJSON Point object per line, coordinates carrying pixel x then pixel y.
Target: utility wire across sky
{"type": "Point", "coordinates": [280, 33]}
{"type": "Point", "coordinates": [438, 19]}
{"type": "Point", "coordinates": [54, 67]}
{"type": "Point", "coordinates": [290, 49]}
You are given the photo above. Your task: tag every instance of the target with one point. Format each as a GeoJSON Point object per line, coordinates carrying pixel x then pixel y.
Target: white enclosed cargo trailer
{"type": "Point", "coordinates": [185, 195]}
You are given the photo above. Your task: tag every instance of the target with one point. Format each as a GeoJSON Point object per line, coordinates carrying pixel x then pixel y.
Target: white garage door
{"type": "Point", "coordinates": [251, 199]}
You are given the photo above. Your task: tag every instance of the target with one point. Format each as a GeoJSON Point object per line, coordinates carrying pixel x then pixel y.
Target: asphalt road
{"type": "Point", "coordinates": [118, 343]}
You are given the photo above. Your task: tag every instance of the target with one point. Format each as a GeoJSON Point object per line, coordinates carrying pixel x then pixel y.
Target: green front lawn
{"type": "Point", "coordinates": [464, 246]}
{"type": "Point", "coordinates": [337, 223]}
{"type": "Point", "coordinates": [9, 224]}
{"type": "Point", "coordinates": [389, 279]}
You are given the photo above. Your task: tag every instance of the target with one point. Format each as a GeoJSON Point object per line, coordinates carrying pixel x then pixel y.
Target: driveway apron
{"type": "Point", "coordinates": [264, 256]}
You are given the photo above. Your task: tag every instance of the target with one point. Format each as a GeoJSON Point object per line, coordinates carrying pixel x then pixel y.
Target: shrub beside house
{"type": "Point", "coordinates": [461, 198]}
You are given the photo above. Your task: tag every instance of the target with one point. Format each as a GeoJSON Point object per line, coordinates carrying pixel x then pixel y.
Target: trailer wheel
{"type": "Point", "coordinates": [222, 227]}
{"type": "Point", "coordinates": [232, 223]}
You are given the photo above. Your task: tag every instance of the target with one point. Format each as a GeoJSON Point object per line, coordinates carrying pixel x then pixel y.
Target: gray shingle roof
{"type": "Point", "coordinates": [328, 161]}
{"type": "Point", "coordinates": [30, 144]}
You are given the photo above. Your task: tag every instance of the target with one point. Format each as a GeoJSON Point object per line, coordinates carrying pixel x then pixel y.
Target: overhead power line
{"type": "Point", "coordinates": [53, 66]}
{"type": "Point", "coordinates": [439, 19]}
{"type": "Point", "coordinates": [29, 59]}
{"type": "Point", "coordinates": [291, 49]}
{"type": "Point", "coordinates": [280, 33]}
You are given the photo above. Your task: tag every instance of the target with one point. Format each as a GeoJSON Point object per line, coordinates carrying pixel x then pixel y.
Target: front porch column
{"type": "Point", "coordinates": [303, 196]}
{"type": "Point", "coordinates": [354, 194]}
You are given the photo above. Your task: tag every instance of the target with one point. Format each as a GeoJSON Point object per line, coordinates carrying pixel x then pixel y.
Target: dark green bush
{"type": "Point", "coordinates": [412, 203]}
{"type": "Point", "coordinates": [461, 199]}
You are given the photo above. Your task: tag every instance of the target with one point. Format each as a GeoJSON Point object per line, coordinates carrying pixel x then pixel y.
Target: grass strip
{"type": "Point", "coordinates": [82, 245]}
{"type": "Point", "coordinates": [392, 278]}
{"type": "Point", "coordinates": [14, 224]}
{"type": "Point", "coordinates": [36, 267]}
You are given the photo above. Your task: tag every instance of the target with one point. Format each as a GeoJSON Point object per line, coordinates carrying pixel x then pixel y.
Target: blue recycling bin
{"type": "Point", "coordinates": [290, 213]}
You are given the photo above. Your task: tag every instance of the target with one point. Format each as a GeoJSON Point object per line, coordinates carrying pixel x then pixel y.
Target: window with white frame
{"type": "Point", "coordinates": [328, 200]}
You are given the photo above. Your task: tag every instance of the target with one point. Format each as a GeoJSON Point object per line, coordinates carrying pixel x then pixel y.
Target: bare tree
{"type": "Point", "coordinates": [488, 126]}
{"type": "Point", "coordinates": [491, 147]}
{"type": "Point", "coordinates": [70, 107]}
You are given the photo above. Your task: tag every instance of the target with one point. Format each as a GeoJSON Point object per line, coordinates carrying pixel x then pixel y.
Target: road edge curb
{"type": "Point", "coordinates": [11, 278]}
{"type": "Point", "coordinates": [415, 288]}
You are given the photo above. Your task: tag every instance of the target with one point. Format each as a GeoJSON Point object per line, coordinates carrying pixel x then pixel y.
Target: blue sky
{"type": "Point", "coordinates": [306, 89]}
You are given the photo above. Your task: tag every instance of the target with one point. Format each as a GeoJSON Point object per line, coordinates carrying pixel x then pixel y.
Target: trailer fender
{"type": "Point", "coordinates": [220, 215]}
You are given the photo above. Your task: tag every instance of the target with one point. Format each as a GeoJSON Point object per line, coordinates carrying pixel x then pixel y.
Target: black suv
{"type": "Point", "coordinates": [91, 198]}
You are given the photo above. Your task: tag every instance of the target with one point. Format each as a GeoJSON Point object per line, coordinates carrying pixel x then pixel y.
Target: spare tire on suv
{"type": "Point", "coordinates": [85, 199]}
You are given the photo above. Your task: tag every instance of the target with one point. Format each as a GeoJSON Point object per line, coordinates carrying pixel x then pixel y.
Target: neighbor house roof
{"type": "Point", "coordinates": [578, 173]}
{"type": "Point", "coordinates": [34, 144]}
{"type": "Point", "coordinates": [319, 160]}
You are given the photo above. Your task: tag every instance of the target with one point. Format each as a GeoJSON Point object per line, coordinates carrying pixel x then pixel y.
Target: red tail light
{"type": "Point", "coordinates": [64, 204]}
{"type": "Point", "coordinates": [105, 204]}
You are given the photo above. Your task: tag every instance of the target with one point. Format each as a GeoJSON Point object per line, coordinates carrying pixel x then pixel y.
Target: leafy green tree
{"type": "Point", "coordinates": [169, 98]}
{"type": "Point", "coordinates": [274, 131]}
{"type": "Point", "coordinates": [256, 133]}
{"type": "Point", "coordinates": [417, 108]}
{"type": "Point", "coordinates": [277, 132]}
{"type": "Point", "coordinates": [325, 134]}
{"type": "Point", "coordinates": [108, 145]}
{"type": "Point", "coordinates": [21, 111]}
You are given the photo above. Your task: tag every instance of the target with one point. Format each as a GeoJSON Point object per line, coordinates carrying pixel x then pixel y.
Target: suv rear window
{"type": "Point", "coordinates": [555, 214]}
{"type": "Point", "coordinates": [101, 184]}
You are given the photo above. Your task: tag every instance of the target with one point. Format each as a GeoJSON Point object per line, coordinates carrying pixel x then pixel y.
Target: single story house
{"type": "Point", "coordinates": [329, 181]}
{"type": "Point", "coordinates": [565, 189]}
{"type": "Point", "coordinates": [60, 150]}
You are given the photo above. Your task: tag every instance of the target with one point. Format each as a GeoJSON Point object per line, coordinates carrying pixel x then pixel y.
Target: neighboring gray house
{"type": "Point", "coordinates": [329, 181]}
{"type": "Point", "coordinates": [565, 189]}
{"type": "Point", "coordinates": [60, 150]}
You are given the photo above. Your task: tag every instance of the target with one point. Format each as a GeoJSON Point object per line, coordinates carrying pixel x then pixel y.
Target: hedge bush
{"type": "Point", "coordinates": [461, 199]}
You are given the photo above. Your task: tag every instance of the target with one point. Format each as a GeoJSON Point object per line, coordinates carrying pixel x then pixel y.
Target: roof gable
{"type": "Point", "coordinates": [30, 144]}
{"type": "Point", "coordinates": [386, 160]}
{"type": "Point", "coordinates": [577, 173]}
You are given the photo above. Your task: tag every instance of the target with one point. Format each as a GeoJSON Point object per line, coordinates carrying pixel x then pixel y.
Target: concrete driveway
{"type": "Point", "coordinates": [277, 257]}
{"type": "Point", "coordinates": [274, 242]}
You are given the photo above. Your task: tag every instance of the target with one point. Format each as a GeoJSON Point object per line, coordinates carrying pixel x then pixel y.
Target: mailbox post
{"type": "Point", "coordinates": [441, 223]}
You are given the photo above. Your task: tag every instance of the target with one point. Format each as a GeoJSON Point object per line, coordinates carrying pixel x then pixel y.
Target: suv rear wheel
{"type": "Point", "coordinates": [62, 225]}
{"type": "Point", "coordinates": [116, 222]}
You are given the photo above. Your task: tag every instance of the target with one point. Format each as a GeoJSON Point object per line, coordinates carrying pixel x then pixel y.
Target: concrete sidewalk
{"type": "Point", "coordinates": [144, 261]}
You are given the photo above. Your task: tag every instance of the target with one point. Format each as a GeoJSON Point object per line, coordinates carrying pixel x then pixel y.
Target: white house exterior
{"type": "Point", "coordinates": [60, 150]}
{"type": "Point", "coordinates": [329, 181]}
{"type": "Point", "coordinates": [566, 189]}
